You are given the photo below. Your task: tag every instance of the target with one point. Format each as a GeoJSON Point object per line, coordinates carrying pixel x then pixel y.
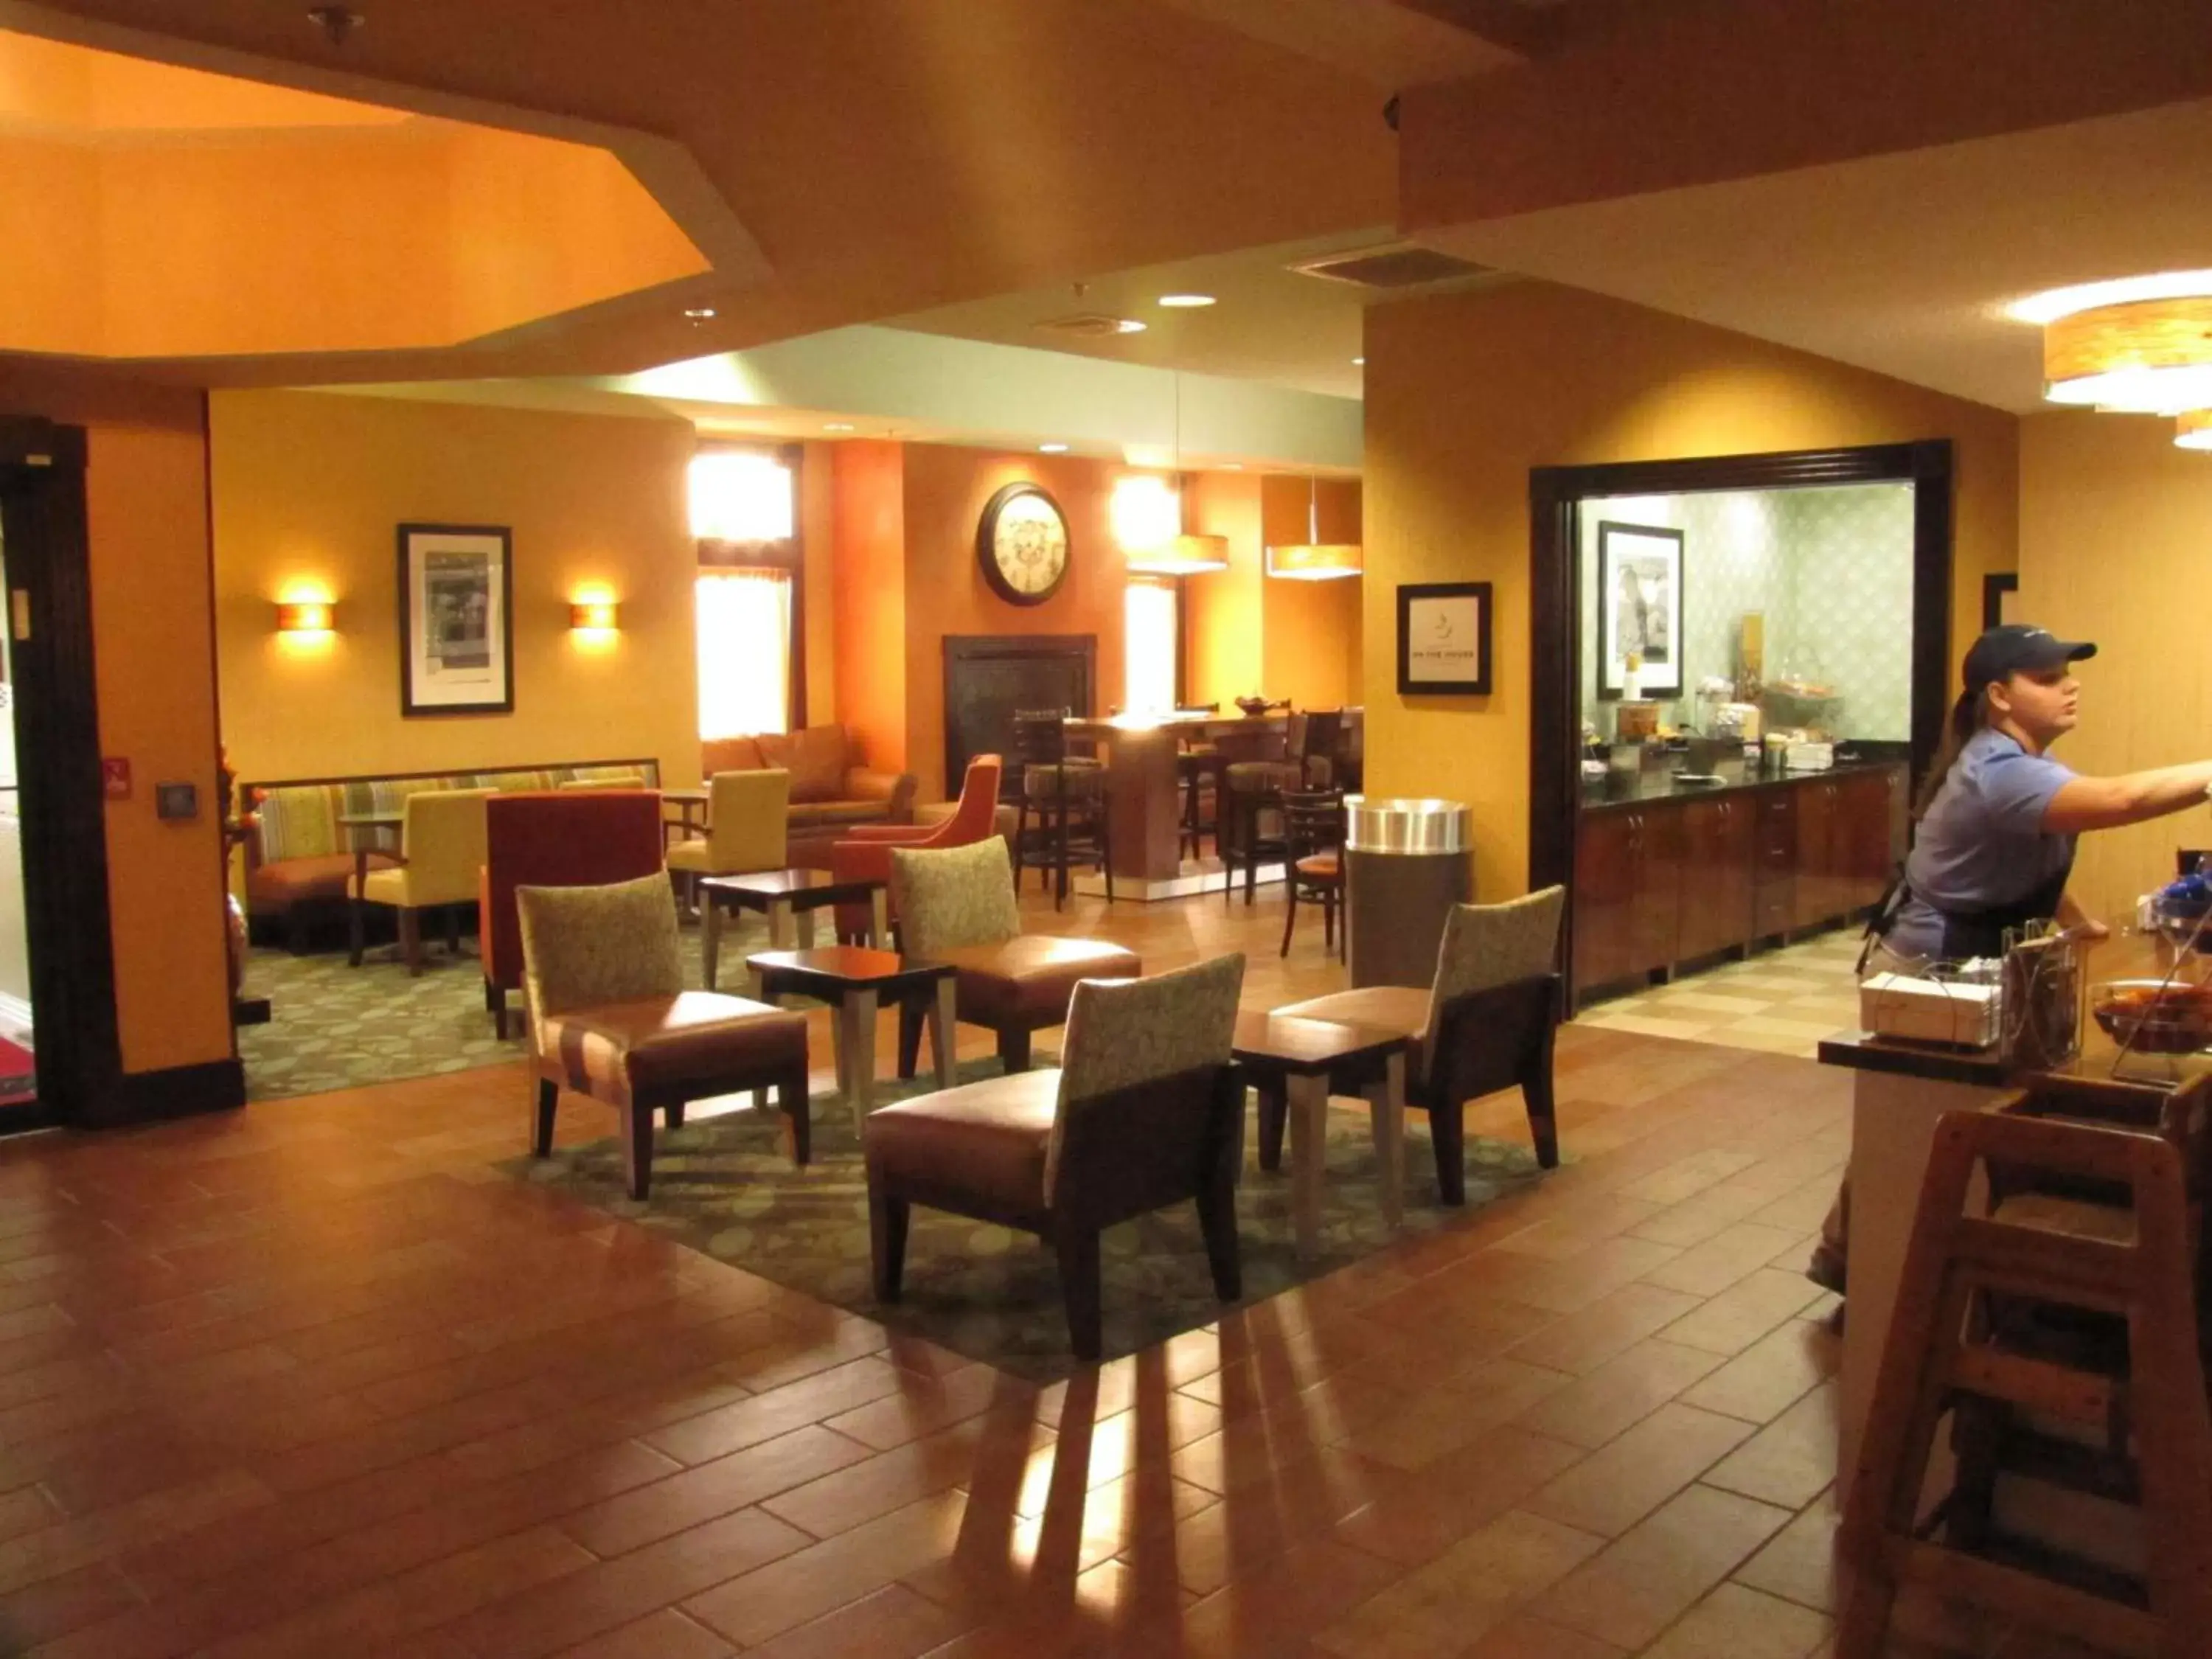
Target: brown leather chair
{"type": "Point", "coordinates": [1485, 1024]}
{"type": "Point", "coordinates": [1148, 1111]}
{"type": "Point", "coordinates": [956, 905]}
{"type": "Point", "coordinates": [609, 1018]}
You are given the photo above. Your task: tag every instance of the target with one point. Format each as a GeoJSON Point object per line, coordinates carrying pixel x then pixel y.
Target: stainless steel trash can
{"type": "Point", "coordinates": [1406, 863]}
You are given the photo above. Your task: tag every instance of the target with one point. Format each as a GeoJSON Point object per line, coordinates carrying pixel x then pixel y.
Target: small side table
{"type": "Point", "coordinates": [690, 806]}
{"type": "Point", "coordinates": [782, 895]}
{"type": "Point", "coordinates": [857, 982]}
{"type": "Point", "coordinates": [1293, 1062]}
{"type": "Point", "coordinates": [361, 829]}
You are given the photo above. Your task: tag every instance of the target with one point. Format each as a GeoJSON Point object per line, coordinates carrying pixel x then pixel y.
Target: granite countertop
{"type": "Point", "coordinates": [1654, 783]}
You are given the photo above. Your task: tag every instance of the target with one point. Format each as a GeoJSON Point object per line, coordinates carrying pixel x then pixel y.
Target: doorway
{"type": "Point", "coordinates": [19, 1073]}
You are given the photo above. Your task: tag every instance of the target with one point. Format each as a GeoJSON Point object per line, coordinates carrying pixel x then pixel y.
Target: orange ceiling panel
{"type": "Point", "coordinates": [177, 213]}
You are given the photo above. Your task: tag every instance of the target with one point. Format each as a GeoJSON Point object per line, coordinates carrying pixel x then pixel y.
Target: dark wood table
{"type": "Point", "coordinates": [857, 982]}
{"type": "Point", "coordinates": [783, 896]}
{"type": "Point", "coordinates": [361, 829]}
{"type": "Point", "coordinates": [1296, 1062]}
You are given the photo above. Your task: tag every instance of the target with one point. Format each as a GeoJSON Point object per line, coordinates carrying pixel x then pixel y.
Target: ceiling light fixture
{"type": "Point", "coordinates": [2193, 430]}
{"type": "Point", "coordinates": [1314, 560]}
{"type": "Point", "coordinates": [1127, 325]}
{"type": "Point", "coordinates": [1186, 301]}
{"type": "Point", "coordinates": [1052, 449]}
{"type": "Point", "coordinates": [836, 426]}
{"type": "Point", "coordinates": [700, 313]}
{"type": "Point", "coordinates": [2136, 345]}
{"type": "Point", "coordinates": [338, 22]}
{"type": "Point", "coordinates": [1181, 553]}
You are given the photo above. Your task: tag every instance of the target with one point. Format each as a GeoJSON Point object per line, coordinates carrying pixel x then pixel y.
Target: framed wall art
{"type": "Point", "coordinates": [456, 620]}
{"type": "Point", "coordinates": [1443, 639]}
{"type": "Point", "coordinates": [1639, 608]}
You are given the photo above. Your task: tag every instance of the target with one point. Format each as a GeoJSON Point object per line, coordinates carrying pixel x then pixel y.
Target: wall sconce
{"type": "Point", "coordinates": [307, 616]}
{"type": "Point", "coordinates": [595, 616]}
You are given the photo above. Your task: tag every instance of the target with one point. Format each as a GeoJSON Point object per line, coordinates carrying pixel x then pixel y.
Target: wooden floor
{"type": "Point", "coordinates": [314, 1379]}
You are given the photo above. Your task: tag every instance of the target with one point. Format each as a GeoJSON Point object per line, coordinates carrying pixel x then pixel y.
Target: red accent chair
{"type": "Point", "coordinates": [863, 852]}
{"type": "Point", "coordinates": [576, 838]}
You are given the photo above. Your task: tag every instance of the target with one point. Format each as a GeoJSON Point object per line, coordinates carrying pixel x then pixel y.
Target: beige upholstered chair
{"type": "Point", "coordinates": [956, 905]}
{"type": "Point", "coordinates": [1145, 1112]}
{"type": "Point", "coordinates": [609, 1018]}
{"type": "Point", "coordinates": [747, 826]}
{"type": "Point", "coordinates": [1485, 1024]}
{"type": "Point", "coordinates": [441, 851]}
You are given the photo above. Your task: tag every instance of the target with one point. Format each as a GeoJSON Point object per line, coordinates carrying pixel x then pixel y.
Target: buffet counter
{"type": "Point", "coordinates": [1623, 789]}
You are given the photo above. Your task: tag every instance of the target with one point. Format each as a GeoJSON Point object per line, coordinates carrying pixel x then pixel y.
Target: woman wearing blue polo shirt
{"type": "Point", "coordinates": [1994, 841]}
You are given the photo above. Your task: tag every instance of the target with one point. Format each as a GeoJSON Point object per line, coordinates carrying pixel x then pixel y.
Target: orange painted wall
{"type": "Point", "coordinates": [946, 488]}
{"type": "Point", "coordinates": [146, 502]}
{"type": "Point", "coordinates": [817, 521]}
{"type": "Point", "coordinates": [1310, 631]}
{"type": "Point", "coordinates": [1222, 622]}
{"type": "Point", "coordinates": [308, 491]}
{"type": "Point", "coordinates": [1559, 377]}
{"type": "Point", "coordinates": [868, 551]}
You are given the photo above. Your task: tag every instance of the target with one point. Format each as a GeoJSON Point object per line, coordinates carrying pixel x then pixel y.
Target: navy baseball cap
{"type": "Point", "coordinates": [2017, 648]}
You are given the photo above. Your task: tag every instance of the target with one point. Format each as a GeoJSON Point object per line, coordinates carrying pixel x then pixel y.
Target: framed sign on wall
{"type": "Point", "coordinates": [1443, 639]}
{"type": "Point", "coordinates": [456, 623]}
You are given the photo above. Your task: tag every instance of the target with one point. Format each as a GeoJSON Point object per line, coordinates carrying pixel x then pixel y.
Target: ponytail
{"type": "Point", "coordinates": [1968, 715]}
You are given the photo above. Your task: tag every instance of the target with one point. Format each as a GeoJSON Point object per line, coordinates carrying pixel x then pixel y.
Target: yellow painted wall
{"type": "Point", "coordinates": [1311, 637]}
{"type": "Point", "coordinates": [146, 506]}
{"type": "Point", "coordinates": [2113, 522]}
{"type": "Point", "coordinates": [309, 489]}
{"type": "Point", "coordinates": [1467, 392]}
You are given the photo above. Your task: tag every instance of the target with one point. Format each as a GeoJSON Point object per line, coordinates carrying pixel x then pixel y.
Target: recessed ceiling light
{"type": "Point", "coordinates": [1127, 325]}
{"type": "Point", "coordinates": [1186, 301]}
{"type": "Point", "coordinates": [699, 313]}
{"type": "Point", "coordinates": [1053, 449]}
{"type": "Point", "coordinates": [1359, 363]}
{"type": "Point", "coordinates": [2058, 302]}
{"type": "Point", "coordinates": [836, 426]}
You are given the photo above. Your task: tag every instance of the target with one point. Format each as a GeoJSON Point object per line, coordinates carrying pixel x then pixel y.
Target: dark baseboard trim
{"type": "Point", "coordinates": [214, 1085]}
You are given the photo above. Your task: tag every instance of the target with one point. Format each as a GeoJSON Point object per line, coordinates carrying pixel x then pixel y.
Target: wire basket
{"type": "Point", "coordinates": [2039, 1017]}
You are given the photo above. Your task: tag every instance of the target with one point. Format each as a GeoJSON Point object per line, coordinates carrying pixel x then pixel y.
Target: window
{"type": "Point", "coordinates": [1149, 658]}
{"type": "Point", "coordinates": [739, 496]}
{"type": "Point", "coordinates": [745, 652]}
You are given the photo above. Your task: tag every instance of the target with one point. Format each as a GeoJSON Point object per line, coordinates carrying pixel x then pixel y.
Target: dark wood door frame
{"type": "Point", "coordinates": [64, 832]}
{"type": "Point", "coordinates": [1555, 577]}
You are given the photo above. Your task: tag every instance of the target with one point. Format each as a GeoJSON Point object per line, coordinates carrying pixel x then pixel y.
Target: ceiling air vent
{"type": "Point", "coordinates": [1092, 325]}
{"type": "Point", "coordinates": [1401, 266]}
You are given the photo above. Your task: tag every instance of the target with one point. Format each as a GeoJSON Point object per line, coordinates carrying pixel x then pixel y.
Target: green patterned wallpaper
{"type": "Point", "coordinates": [1831, 569]}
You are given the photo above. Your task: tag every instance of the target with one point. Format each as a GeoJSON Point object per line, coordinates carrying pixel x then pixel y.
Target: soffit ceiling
{"type": "Point", "coordinates": [886, 155]}
{"type": "Point", "coordinates": [1902, 263]}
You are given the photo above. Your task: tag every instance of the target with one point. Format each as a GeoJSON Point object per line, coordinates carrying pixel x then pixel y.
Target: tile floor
{"type": "Point", "coordinates": [1781, 1001]}
{"type": "Point", "coordinates": [313, 1378]}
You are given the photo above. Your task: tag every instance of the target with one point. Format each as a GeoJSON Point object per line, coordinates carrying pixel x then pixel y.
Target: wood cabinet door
{"type": "Point", "coordinates": [1655, 928]}
{"type": "Point", "coordinates": [1819, 893]}
{"type": "Point", "coordinates": [1718, 837]}
{"type": "Point", "coordinates": [1605, 885]}
{"type": "Point", "coordinates": [1774, 862]}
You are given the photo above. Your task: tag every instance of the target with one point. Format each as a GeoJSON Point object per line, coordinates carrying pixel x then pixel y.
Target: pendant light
{"type": "Point", "coordinates": [2135, 345]}
{"type": "Point", "coordinates": [1182, 554]}
{"type": "Point", "coordinates": [1314, 560]}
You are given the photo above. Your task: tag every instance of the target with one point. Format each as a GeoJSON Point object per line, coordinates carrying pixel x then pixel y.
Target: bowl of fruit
{"type": "Point", "coordinates": [2154, 1017]}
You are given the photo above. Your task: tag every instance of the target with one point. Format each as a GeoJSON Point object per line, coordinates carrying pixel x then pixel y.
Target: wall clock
{"type": "Point", "coordinates": [1021, 543]}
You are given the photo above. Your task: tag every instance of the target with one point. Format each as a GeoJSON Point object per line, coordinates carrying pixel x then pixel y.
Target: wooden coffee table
{"type": "Point", "coordinates": [782, 895]}
{"type": "Point", "coordinates": [1297, 1061]}
{"type": "Point", "coordinates": [857, 982]}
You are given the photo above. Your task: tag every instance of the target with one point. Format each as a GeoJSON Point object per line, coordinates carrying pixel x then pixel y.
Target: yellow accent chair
{"type": "Point", "coordinates": [748, 827]}
{"type": "Point", "coordinates": [441, 853]}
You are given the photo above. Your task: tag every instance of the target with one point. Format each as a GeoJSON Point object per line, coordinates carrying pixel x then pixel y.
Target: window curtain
{"type": "Point", "coordinates": [744, 652]}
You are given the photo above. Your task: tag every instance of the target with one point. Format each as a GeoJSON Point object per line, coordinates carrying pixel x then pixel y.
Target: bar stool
{"type": "Point", "coordinates": [1067, 793]}
{"type": "Point", "coordinates": [2071, 1302]}
{"type": "Point", "coordinates": [1255, 787]}
{"type": "Point", "coordinates": [1199, 764]}
{"type": "Point", "coordinates": [1315, 746]}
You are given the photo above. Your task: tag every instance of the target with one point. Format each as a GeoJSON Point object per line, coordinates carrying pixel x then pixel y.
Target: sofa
{"type": "Point", "coordinates": [298, 857]}
{"type": "Point", "coordinates": [830, 784]}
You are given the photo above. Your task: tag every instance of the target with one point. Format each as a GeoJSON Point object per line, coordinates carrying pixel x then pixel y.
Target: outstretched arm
{"type": "Point", "coordinates": [2134, 797]}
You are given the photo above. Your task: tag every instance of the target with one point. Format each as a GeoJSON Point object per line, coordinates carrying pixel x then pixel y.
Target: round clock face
{"type": "Point", "coordinates": [1023, 544]}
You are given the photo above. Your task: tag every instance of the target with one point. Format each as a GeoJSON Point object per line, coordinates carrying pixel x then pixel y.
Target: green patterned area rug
{"type": "Point", "coordinates": [722, 1187]}
{"type": "Point", "coordinates": [335, 1027]}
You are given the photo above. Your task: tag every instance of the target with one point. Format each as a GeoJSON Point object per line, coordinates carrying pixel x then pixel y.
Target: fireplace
{"type": "Point", "coordinates": [988, 676]}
